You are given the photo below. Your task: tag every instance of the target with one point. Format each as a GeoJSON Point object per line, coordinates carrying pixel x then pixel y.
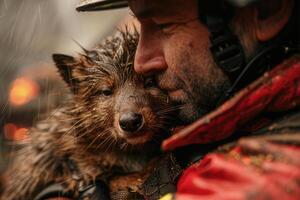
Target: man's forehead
{"type": "Point", "coordinates": [147, 8]}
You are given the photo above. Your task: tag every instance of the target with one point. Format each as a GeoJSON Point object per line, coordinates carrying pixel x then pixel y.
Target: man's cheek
{"type": "Point", "coordinates": [172, 55]}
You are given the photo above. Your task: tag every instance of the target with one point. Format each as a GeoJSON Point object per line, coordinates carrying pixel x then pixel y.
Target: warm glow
{"type": "Point", "coordinates": [22, 91]}
{"type": "Point", "coordinates": [13, 133]}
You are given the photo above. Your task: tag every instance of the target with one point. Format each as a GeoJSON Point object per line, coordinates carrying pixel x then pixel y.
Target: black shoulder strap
{"type": "Point", "coordinates": [97, 190]}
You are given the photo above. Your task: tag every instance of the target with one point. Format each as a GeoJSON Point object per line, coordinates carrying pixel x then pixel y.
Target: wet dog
{"type": "Point", "coordinates": [113, 124]}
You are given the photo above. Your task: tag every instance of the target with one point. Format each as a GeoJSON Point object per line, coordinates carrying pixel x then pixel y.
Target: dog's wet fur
{"type": "Point", "coordinates": [116, 119]}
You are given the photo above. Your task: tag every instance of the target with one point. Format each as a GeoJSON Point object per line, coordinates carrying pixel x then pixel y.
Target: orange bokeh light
{"type": "Point", "coordinates": [22, 91]}
{"type": "Point", "coordinates": [13, 133]}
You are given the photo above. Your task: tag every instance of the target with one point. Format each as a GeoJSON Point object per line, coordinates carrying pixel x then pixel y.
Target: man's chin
{"type": "Point", "coordinates": [188, 114]}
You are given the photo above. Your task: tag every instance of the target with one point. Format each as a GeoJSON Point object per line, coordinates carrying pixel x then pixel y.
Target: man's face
{"type": "Point", "coordinates": [174, 46]}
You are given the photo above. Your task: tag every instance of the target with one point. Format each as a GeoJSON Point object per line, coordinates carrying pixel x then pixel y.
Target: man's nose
{"type": "Point", "coordinates": [149, 57]}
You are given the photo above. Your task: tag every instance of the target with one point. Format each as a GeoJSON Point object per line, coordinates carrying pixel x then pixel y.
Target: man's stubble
{"type": "Point", "coordinates": [203, 82]}
{"type": "Point", "coordinates": [207, 90]}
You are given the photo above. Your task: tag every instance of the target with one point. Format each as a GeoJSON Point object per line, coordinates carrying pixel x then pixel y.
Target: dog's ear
{"type": "Point", "coordinates": [66, 64]}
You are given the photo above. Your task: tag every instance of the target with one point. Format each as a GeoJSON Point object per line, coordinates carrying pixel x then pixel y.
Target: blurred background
{"type": "Point", "coordinates": [30, 32]}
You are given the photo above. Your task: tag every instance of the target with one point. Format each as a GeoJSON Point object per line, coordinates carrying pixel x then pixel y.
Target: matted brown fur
{"type": "Point", "coordinates": [86, 130]}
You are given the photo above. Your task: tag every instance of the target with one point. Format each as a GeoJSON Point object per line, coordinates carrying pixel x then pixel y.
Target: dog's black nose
{"type": "Point", "coordinates": [131, 122]}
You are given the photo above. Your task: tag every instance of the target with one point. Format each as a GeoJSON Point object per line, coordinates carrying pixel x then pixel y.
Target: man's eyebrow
{"type": "Point", "coordinates": [143, 13]}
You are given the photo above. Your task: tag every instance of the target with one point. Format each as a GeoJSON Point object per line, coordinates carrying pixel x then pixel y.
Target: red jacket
{"type": "Point", "coordinates": [264, 167]}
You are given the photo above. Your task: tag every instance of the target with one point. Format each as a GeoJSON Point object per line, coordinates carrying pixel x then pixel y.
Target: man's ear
{"type": "Point", "coordinates": [65, 65]}
{"type": "Point", "coordinates": [271, 17]}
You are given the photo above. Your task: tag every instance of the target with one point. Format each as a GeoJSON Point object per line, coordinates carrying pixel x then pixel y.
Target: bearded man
{"type": "Point", "coordinates": [234, 68]}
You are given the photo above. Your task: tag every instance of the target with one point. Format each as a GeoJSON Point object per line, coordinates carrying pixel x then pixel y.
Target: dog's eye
{"type": "Point", "coordinates": [106, 91]}
{"type": "Point", "coordinates": [103, 92]}
{"type": "Point", "coordinates": [150, 82]}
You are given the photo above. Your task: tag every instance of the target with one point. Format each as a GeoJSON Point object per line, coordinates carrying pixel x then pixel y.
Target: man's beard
{"type": "Point", "coordinates": [201, 101]}
{"type": "Point", "coordinates": [204, 94]}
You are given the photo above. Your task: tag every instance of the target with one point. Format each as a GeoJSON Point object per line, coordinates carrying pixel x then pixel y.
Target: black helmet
{"type": "Point", "coordinates": [94, 5]}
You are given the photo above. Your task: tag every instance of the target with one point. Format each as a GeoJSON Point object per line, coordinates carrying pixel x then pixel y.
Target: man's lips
{"type": "Point", "coordinates": [174, 91]}
{"type": "Point", "coordinates": [177, 95]}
